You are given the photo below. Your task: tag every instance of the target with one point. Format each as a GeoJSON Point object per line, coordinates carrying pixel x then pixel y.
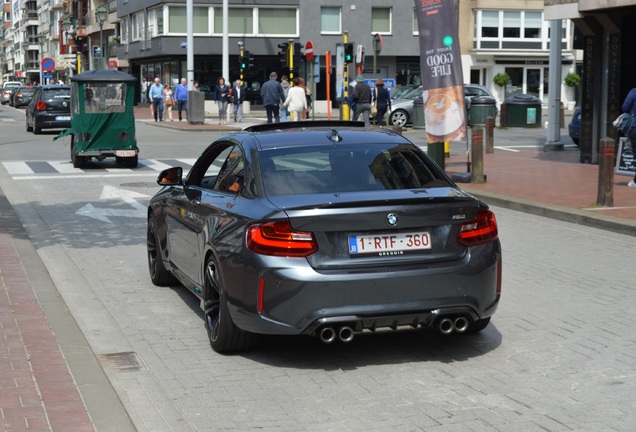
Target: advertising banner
{"type": "Point", "coordinates": [441, 68]}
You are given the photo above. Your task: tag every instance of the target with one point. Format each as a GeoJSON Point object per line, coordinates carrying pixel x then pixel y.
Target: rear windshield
{"type": "Point", "coordinates": [342, 168]}
{"type": "Point", "coordinates": [27, 90]}
{"type": "Point", "coordinates": [56, 93]}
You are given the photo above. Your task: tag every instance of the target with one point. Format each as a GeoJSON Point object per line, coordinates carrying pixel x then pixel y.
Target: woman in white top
{"type": "Point", "coordinates": [296, 101]}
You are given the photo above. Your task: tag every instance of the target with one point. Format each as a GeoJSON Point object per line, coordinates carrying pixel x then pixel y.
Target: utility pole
{"type": "Point", "coordinates": [241, 59]}
{"type": "Point", "coordinates": [346, 114]}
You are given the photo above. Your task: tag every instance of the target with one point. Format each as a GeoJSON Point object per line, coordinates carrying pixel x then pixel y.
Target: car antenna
{"type": "Point", "coordinates": [333, 136]}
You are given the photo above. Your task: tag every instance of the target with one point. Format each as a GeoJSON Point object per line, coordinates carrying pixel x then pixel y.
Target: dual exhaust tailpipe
{"type": "Point", "coordinates": [328, 334]}
{"type": "Point", "coordinates": [448, 326]}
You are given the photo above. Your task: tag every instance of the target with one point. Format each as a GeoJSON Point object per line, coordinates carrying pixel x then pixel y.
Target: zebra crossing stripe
{"type": "Point", "coordinates": [37, 169]}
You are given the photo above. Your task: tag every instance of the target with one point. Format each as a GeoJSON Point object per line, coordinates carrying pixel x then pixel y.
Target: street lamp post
{"type": "Point", "coordinates": [67, 24]}
{"type": "Point", "coordinates": [101, 14]}
{"type": "Point", "coordinates": [41, 38]}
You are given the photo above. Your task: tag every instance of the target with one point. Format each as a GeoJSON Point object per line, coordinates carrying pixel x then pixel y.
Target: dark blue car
{"type": "Point", "coordinates": [575, 126]}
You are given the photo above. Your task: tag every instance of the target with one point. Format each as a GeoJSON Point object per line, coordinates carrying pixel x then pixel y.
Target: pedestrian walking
{"type": "Point", "coordinates": [305, 112]}
{"type": "Point", "coordinates": [273, 95]}
{"type": "Point", "coordinates": [296, 101]}
{"type": "Point", "coordinates": [156, 99]}
{"type": "Point", "coordinates": [629, 107]}
{"type": "Point", "coordinates": [144, 90]}
{"type": "Point", "coordinates": [362, 96]}
{"type": "Point", "coordinates": [238, 97]}
{"type": "Point", "coordinates": [181, 97]}
{"type": "Point", "coordinates": [284, 112]}
{"type": "Point", "coordinates": [168, 99]}
{"type": "Point", "coordinates": [222, 97]}
{"type": "Point", "coordinates": [382, 101]}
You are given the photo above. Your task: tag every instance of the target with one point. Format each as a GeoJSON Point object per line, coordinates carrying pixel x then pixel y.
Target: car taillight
{"type": "Point", "coordinates": [479, 231]}
{"type": "Point", "coordinates": [279, 239]}
{"type": "Point", "coordinates": [40, 106]}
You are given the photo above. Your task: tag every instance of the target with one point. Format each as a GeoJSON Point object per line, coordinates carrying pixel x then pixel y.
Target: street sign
{"type": "Point", "coordinates": [309, 50]}
{"type": "Point", "coordinates": [389, 83]}
{"type": "Point", "coordinates": [48, 64]}
{"type": "Point", "coordinates": [97, 52]}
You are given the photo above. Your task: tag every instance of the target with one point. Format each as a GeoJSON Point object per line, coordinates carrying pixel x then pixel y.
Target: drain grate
{"type": "Point", "coordinates": [121, 362]}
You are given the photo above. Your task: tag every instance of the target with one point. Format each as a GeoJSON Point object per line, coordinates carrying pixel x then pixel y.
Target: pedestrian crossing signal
{"type": "Point", "coordinates": [348, 53]}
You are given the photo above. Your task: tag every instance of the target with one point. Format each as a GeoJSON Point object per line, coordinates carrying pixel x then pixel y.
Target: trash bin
{"type": "Point", "coordinates": [418, 113]}
{"type": "Point", "coordinates": [196, 107]}
{"type": "Point", "coordinates": [522, 110]}
{"type": "Point", "coordinates": [481, 107]}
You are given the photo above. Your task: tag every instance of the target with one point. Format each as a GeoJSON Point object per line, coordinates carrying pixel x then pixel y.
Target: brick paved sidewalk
{"type": "Point", "coordinates": [37, 391]}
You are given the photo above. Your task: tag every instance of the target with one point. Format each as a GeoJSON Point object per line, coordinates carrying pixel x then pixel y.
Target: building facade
{"type": "Point", "coordinates": [148, 39]}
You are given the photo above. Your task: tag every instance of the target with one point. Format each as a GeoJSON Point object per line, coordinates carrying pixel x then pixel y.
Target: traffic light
{"type": "Point", "coordinates": [348, 58]}
{"type": "Point", "coordinates": [296, 55]}
{"type": "Point", "coordinates": [283, 53]}
{"type": "Point", "coordinates": [242, 62]}
{"type": "Point", "coordinates": [247, 60]}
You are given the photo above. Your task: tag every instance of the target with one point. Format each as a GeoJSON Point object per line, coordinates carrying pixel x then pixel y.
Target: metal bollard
{"type": "Point", "coordinates": [605, 195]}
{"type": "Point", "coordinates": [490, 138]}
{"type": "Point", "coordinates": [477, 155]}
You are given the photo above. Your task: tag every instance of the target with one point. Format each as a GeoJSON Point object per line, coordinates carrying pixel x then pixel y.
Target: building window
{"type": "Point", "coordinates": [177, 20]}
{"type": "Point", "coordinates": [512, 24]}
{"type": "Point", "coordinates": [513, 30]}
{"type": "Point", "coordinates": [416, 25]}
{"type": "Point", "coordinates": [124, 30]}
{"type": "Point", "coordinates": [330, 20]}
{"type": "Point", "coordinates": [281, 21]}
{"type": "Point", "coordinates": [155, 22]}
{"type": "Point", "coordinates": [240, 21]}
{"type": "Point", "coordinates": [381, 20]}
{"type": "Point", "coordinates": [138, 26]}
{"type": "Point", "coordinates": [489, 24]}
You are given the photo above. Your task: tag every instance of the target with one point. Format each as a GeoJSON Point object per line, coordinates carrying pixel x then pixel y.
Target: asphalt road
{"type": "Point", "coordinates": [558, 355]}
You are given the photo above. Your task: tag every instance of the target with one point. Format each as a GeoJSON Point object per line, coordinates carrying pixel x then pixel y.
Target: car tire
{"type": "Point", "coordinates": [399, 118]}
{"type": "Point", "coordinates": [478, 325]}
{"type": "Point", "coordinates": [36, 129]}
{"type": "Point", "coordinates": [225, 337]}
{"type": "Point", "coordinates": [78, 161]}
{"type": "Point", "coordinates": [128, 162]}
{"type": "Point", "coordinates": [28, 128]}
{"type": "Point", "coordinates": [159, 275]}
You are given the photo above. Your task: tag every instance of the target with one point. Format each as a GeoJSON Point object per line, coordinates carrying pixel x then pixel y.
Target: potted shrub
{"type": "Point", "coordinates": [571, 81]}
{"type": "Point", "coordinates": [501, 79]}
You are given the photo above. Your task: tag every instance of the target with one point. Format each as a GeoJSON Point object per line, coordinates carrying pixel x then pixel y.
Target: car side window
{"type": "Point", "coordinates": [230, 177]}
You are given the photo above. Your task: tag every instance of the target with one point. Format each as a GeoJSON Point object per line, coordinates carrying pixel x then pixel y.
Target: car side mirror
{"type": "Point", "coordinates": [170, 177]}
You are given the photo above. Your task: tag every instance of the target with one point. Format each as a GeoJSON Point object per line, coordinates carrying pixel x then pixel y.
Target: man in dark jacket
{"type": "Point", "coordinates": [273, 95]}
{"type": "Point", "coordinates": [238, 97]}
{"type": "Point", "coordinates": [362, 96]}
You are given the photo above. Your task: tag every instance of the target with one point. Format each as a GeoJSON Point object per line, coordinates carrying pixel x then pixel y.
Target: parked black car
{"type": "Point", "coordinates": [22, 96]}
{"type": "Point", "coordinates": [50, 108]}
{"type": "Point", "coordinates": [327, 229]}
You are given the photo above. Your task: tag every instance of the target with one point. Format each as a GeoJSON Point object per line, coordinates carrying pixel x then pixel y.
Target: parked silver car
{"type": "Point", "coordinates": [402, 109]}
{"type": "Point", "coordinates": [7, 88]}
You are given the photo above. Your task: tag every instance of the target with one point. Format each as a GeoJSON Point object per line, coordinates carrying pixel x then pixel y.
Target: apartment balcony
{"type": "Point", "coordinates": [56, 5]}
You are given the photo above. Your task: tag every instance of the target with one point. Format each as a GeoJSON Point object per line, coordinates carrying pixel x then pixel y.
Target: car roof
{"type": "Point", "coordinates": [55, 86]}
{"type": "Point", "coordinates": [298, 134]}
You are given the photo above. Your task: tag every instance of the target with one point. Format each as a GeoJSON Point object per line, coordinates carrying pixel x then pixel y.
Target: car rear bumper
{"type": "Point", "coordinates": [300, 301]}
{"type": "Point", "coordinates": [50, 120]}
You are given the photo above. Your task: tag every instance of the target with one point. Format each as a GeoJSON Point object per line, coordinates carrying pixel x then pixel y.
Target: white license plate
{"type": "Point", "coordinates": [389, 244]}
{"type": "Point", "coordinates": [125, 153]}
{"type": "Point", "coordinates": [62, 118]}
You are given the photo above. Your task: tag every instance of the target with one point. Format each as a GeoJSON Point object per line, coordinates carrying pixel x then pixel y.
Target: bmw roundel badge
{"type": "Point", "coordinates": [391, 219]}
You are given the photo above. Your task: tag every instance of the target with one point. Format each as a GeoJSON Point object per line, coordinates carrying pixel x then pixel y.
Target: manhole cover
{"type": "Point", "coordinates": [121, 362]}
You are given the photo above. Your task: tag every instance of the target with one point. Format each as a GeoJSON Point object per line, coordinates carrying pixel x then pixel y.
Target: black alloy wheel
{"type": "Point", "coordinates": [159, 275]}
{"type": "Point", "coordinates": [225, 336]}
